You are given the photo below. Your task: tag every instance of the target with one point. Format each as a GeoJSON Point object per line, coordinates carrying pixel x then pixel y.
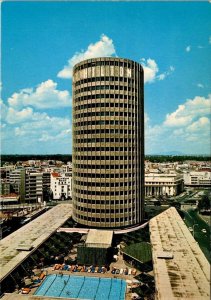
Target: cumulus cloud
{"type": "Point", "coordinates": [185, 129]}
{"type": "Point", "coordinates": [151, 70]}
{"type": "Point", "coordinates": [103, 47]}
{"type": "Point", "coordinates": [32, 129]}
{"type": "Point", "coordinates": [200, 125]}
{"type": "Point", "coordinates": [189, 111]}
{"type": "Point", "coordinates": [44, 128]}
{"type": "Point", "coordinates": [23, 115]}
{"type": "Point", "coordinates": [45, 95]}
{"type": "Point", "coordinates": [188, 49]}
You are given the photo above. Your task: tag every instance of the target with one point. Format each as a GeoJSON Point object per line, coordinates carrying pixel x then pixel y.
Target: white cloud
{"type": "Point", "coordinates": [103, 47]}
{"type": "Point", "coordinates": [188, 49]}
{"type": "Point", "coordinates": [165, 74]}
{"type": "Point", "coordinates": [3, 110]}
{"type": "Point", "coordinates": [45, 95]}
{"type": "Point", "coordinates": [189, 111]}
{"type": "Point", "coordinates": [44, 128]}
{"type": "Point", "coordinates": [60, 136]}
{"type": "Point", "coordinates": [23, 115]}
{"type": "Point", "coordinates": [178, 117]}
{"type": "Point", "coordinates": [151, 70]}
{"type": "Point", "coordinates": [27, 131]}
{"type": "Point", "coordinates": [200, 85]}
{"type": "Point", "coordinates": [202, 124]}
{"type": "Point", "coordinates": [187, 129]}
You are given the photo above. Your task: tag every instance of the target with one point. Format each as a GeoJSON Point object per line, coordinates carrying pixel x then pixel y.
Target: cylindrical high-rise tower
{"type": "Point", "coordinates": [108, 143]}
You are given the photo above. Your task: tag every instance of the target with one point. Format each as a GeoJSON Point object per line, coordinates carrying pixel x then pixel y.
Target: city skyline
{"type": "Point", "coordinates": [41, 41]}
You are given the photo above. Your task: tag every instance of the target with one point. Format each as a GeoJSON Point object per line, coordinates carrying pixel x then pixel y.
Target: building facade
{"type": "Point", "coordinates": [61, 186]}
{"type": "Point", "coordinates": [163, 184]}
{"type": "Point", "coordinates": [34, 187]}
{"type": "Point", "coordinates": [108, 143]}
{"type": "Point", "coordinates": [198, 179]}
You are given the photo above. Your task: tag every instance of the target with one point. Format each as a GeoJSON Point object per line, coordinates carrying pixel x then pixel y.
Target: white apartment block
{"type": "Point", "coordinates": [198, 178]}
{"type": "Point", "coordinates": [163, 184]}
{"type": "Point", "coordinates": [61, 185]}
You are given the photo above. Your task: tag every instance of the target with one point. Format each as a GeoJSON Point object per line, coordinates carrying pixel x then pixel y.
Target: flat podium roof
{"type": "Point", "coordinates": [180, 267]}
{"type": "Point", "coordinates": [99, 238]}
{"type": "Point", "coordinates": [17, 246]}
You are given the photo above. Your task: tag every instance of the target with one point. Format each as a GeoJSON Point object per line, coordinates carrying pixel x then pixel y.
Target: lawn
{"type": "Point", "coordinates": [140, 251]}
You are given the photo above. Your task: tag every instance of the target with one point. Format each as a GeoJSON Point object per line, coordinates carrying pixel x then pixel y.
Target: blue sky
{"type": "Point", "coordinates": [42, 40]}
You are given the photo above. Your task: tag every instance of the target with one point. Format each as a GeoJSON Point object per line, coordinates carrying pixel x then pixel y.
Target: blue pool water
{"type": "Point", "coordinates": [81, 287]}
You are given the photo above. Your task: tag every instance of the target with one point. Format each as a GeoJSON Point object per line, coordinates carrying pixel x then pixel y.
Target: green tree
{"type": "Point", "coordinates": [204, 203]}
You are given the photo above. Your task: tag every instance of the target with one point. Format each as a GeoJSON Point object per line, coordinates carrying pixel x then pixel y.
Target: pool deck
{"type": "Point", "coordinates": [19, 245]}
{"type": "Point", "coordinates": [31, 296]}
{"type": "Point", "coordinates": [119, 264]}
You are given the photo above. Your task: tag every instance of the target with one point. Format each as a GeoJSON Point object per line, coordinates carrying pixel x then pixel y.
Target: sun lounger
{"type": "Point", "coordinates": [25, 290]}
{"type": "Point", "coordinates": [133, 272]}
{"type": "Point", "coordinates": [66, 267]}
{"type": "Point", "coordinates": [42, 276]}
{"type": "Point", "coordinates": [126, 271]}
{"type": "Point", "coordinates": [72, 268]}
{"type": "Point", "coordinates": [57, 266]}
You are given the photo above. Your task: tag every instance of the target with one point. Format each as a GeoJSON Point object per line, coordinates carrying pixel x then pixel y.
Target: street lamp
{"type": "Point", "coordinates": [193, 228]}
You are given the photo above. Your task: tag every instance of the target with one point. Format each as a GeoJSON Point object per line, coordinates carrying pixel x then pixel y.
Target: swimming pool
{"type": "Point", "coordinates": [81, 287]}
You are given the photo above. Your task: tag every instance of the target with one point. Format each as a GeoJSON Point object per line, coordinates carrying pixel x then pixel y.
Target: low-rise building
{"type": "Point", "coordinates": [61, 185]}
{"type": "Point", "coordinates": [198, 178]}
{"type": "Point", "coordinates": [163, 184]}
{"type": "Point", "coordinates": [4, 187]}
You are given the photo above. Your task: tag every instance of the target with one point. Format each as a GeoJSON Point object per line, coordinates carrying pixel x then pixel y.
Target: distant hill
{"type": "Point", "coordinates": [176, 153]}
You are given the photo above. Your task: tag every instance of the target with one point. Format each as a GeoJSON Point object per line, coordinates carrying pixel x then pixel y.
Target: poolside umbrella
{"type": "Point", "coordinates": [28, 281]}
{"type": "Point", "coordinates": [129, 281]}
{"type": "Point", "coordinates": [135, 281]}
{"type": "Point", "coordinates": [135, 296]}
